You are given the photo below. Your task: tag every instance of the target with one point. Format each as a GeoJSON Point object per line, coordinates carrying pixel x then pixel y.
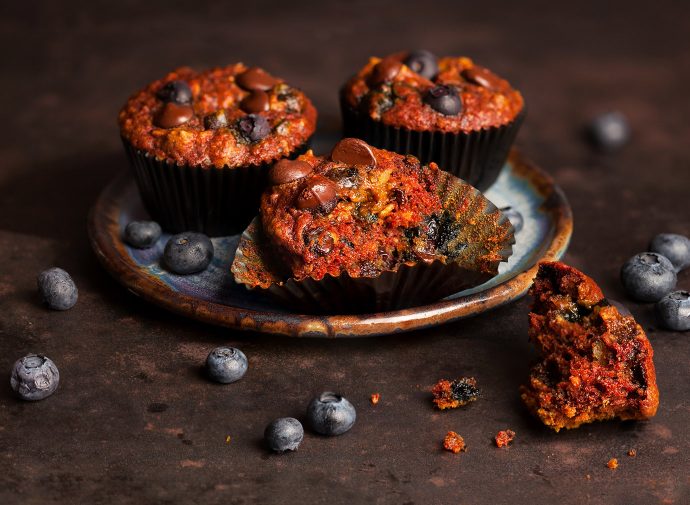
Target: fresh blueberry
{"type": "Point", "coordinates": [514, 217]}
{"type": "Point", "coordinates": [444, 99]}
{"type": "Point", "coordinates": [177, 92]}
{"type": "Point", "coordinates": [142, 234]}
{"type": "Point", "coordinates": [254, 127]}
{"type": "Point", "coordinates": [188, 253]}
{"type": "Point", "coordinates": [226, 364]}
{"type": "Point", "coordinates": [57, 289]}
{"type": "Point", "coordinates": [674, 311]}
{"type": "Point", "coordinates": [648, 277]}
{"type": "Point", "coordinates": [331, 414]}
{"type": "Point", "coordinates": [423, 62]}
{"type": "Point", "coordinates": [284, 434]}
{"type": "Point", "coordinates": [34, 377]}
{"type": "Point", "coordinates": [609, 131]}
{"type": "Point", "coordinates": [675, 247]}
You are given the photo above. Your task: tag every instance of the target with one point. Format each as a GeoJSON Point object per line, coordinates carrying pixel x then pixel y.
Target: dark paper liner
{"type": "Point", "coordinates": [211, 200]}
{"type": "Point", "coordinates": [486, 232]}
{"type": "Point", "coordinates": [476, 157]}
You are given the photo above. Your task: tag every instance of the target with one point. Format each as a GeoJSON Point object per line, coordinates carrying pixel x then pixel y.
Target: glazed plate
{"type": "Point", "coordinates": [213, 297]}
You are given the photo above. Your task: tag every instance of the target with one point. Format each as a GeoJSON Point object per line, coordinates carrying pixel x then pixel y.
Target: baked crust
{"type": "Point", "coordinates": [597, 364]}
{"type": "Point", "coordinates": [400, 103]}
{"type": "Point", "coordinates": [291, 115]}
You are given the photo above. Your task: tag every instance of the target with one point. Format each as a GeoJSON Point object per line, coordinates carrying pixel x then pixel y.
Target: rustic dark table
{"type": "Point", "coordinates": [134, 421]}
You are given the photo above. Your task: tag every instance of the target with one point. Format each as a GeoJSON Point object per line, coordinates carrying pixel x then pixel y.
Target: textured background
{"type": "Point", "coordinates": [133, 420]}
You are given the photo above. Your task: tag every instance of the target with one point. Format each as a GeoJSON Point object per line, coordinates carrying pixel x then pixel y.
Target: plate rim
{"type": "Point", "coordinates": [104, 235]}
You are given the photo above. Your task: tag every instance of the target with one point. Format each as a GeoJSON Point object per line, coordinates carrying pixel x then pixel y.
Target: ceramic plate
{"type": "Point", "coordinates": [213, 297]}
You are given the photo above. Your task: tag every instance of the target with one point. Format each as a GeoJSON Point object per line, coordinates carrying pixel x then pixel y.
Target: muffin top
{"type": "Point", "coordinates": [361, 211]}
{"type": "Point", "coordinates": [418, 91]}
{"type": "Point", "coordinates": [222, 117]}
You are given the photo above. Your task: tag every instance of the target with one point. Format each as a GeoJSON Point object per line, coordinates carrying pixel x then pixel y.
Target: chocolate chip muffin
{"type": "Point", "coordinates": [368, 229]}
{"type": "Point", "coordinates": [201, 143]}
{"type": "Point", "coordinates": [596, 362]}
{"type": "Point", "coordinates": [446, 110]}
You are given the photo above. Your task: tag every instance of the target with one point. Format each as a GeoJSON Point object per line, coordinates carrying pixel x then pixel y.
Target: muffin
{"type": "Point", "coordinates": [447, 110]}
{"type": "Point", "coordinates": [596, 362]}
{"type": "Point", "coordinates": [201, 143]}
{"type": "Point", "coordinates": [368, 229]}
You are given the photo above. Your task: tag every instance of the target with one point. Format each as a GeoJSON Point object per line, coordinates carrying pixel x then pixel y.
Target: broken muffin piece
{"type": "Point", "coordinates": [597, 364]}
{"type": "Point", "coordinates": [454, 443]}
{"type": "Point", "coordinates": [504, 437]}
{"type": "Point", "coordinates": [456, 393]}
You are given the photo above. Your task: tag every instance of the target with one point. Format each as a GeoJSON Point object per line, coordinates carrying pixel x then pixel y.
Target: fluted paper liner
{"type": "Point", "coordinates": [487, 236]}
{"type": "Point", "coordinates": [211, 200]}
{"type": "Point", "coordinates": [476, 157]}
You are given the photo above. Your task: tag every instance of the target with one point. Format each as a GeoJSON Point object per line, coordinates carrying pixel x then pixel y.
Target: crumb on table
{"type": "Point", "coordinates": [612, 464]}
{"type": "Point", "coordinates": [456, 393]}
{"type": "Point", "coordinates": [504, 437]}
{"type": "Point", "coordinates": [454, 443]}
{"type": "Point", "coordinates": [632, 453]}
{"type": "Point", "coordinates": [375, 398]}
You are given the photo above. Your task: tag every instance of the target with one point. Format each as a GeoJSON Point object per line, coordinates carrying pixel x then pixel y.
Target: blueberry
{"type": "Point", "coordinates": [331, 414]}
{"type": "Point", "coordinates": [226, 364]}
{"type": "Point", "coordinates": [57, 289]}
{"type": "Point", "coordinates": [674, 311]}
{"type": "Point", "coordinates": [648, 276]}
{"type": "Point", "coordinates": [34, 377]}
{"type": "Point", "coordinates": [514, 217]}
{"type": "Point", "coordinates": [188, 253]}
{"type": "Point", "coordinates": [423, 62]}
{"type": "Point", "coordinates": [142, 234]}
{"type": "Point", "coordinates": [444, 99]}
{"type": "Point", "coordinates": [284, 434]}
{"type": "Point", "coordinates": [254, 127]}
{"type": "Point", "coordinates": [675, 247]}
{"type": "Point", "coordinates": [177, 92]}
{"type": "Point", "coordinates": [609, 131]}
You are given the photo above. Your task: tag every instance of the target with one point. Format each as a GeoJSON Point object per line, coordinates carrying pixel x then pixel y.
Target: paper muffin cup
{"type": "Point", "coordinates": [485, 240]}
{"type": "Point", "coordinates": [211, 200]}
{"type": "Point", "coordinates": [476, 157]}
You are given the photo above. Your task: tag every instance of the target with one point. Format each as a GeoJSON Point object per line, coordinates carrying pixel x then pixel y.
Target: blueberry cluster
{"type": "Point", "coordinates": [652, 276]}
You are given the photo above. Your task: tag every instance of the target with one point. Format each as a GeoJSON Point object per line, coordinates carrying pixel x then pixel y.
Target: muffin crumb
{"type": "Point", "coordinates": [375, 398]}
{"type": "Point", "coordinates": [456, 393]}
{"type": "Point", "coordinates": [632, 453]}
{"type": "Point", "coordinates": [454, 443]}
{"type": "Point", "coordinates": [504, 438]}
{"type": "Point", "coordinates": [612, 464]}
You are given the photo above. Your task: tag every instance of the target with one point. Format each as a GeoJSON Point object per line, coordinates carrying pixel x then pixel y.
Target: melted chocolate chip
{"type": "Point", "coordinates": [323, 244]}
{"type": "Point", "coordinates": [385, 71]}
{"type": "Point", "coordinates": [285, 171]}
{"type": "Point", "coordinates": [353, 152]}
{"type": "Point", "coordinates": [254, 127]}
{"type": "Point", "coordinates": [481, 77]}
{"type": "Point", "coordinates": [256, 79]}
{"type": "Point", "coordinates": [172, 115]}
{"type": "Point", "coordinates": [216, 120]}
{"type": "Point", "coordinates": [423, 62]}
{"type": "Point", "coordinates": [178, 92]}
{"type": "Point", "coordinates": [318, 194]}
{"type": "Point", "coordinates": [444, 99]}
{"type": "Point", "coordinates": [256, 101]}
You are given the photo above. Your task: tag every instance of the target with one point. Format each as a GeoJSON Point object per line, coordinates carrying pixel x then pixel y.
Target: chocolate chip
{"type": "Point", "coordinates": [318, 194]}
{"type": "Point", "coordinates": [178, 92]}
{"type": "Point", "coordinates": [254, 127]}
{"type": "Point", "coordinates": [481, 77]}
{"type": "Point", "coordinates": [255, 79]}
{"type": "Point", "coordinates": [353, 152]}
{"type": "Point", "coordinates": [423, 62]}
{"type": "Point", "coordinates": [216, 120]}
{"type": "Point", "coordinates": [322, 243]}
{"type": "Point", "coordinates": [444, 99]}
{"type": "Point", "coordinates": [384, 71]}
{"type": "Point", "coordinates": [285, 171]}
{"type": "Point", "coordinates": [256, 101]}
{"type": "Point", "coordinates": [172, 115]}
